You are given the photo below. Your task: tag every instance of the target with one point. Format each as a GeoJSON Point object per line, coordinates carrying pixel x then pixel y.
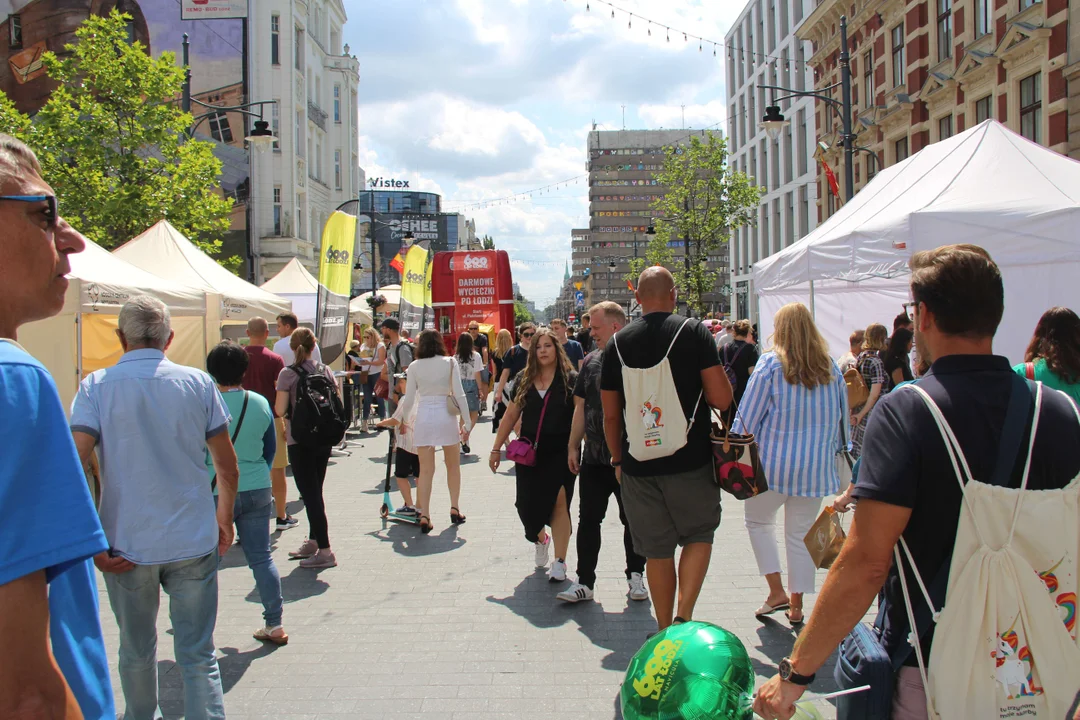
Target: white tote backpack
{"type": "Point", "coordinates": [655, 424]}
{"type": "Point", "coordinates": [1005, 643]}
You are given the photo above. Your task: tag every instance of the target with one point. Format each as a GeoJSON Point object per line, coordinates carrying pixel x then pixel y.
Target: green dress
{"type": "Point", "coordinates": [1047, 377]}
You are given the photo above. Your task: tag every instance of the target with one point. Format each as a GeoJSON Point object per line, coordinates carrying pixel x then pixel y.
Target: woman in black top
{"type": "Point", "coordinates": [544, 491]}
{"type": "Point", "coordinates": [740, 355]}
{"type": "Point", "coordinates": [898, 357]}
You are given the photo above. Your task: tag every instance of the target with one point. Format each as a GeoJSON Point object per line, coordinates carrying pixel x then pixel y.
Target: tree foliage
{"type": "Point", "coordinates": [488, 242]}
{"type": "Point", "coordinates": [521, 313]}
{"type": "Point", "coordinates": [705, 200]}
{"type": "Point", "coordinates": [112, 141]}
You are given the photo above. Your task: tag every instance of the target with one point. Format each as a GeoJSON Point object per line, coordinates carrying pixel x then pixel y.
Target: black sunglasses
{"type": "Point", "coordinates": [52, 217]}
{"type": "Point", "coordinates": [525, 335]}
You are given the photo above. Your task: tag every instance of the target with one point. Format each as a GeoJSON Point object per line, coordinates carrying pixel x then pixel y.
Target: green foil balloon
{"type": "Point", "coordinates": [690, 671]}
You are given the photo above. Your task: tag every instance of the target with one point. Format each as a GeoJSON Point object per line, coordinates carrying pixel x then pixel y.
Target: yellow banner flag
{"type": "Point", "coordinates": [335, 280]}
{"type": "Point", "coordinates": [413, 288]}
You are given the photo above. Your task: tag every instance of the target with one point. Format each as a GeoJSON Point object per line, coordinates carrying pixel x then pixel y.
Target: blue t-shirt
{"type": "Point", "coordinates": [574, 352]}
{"type": "Point", "coordinates": [51, 523]}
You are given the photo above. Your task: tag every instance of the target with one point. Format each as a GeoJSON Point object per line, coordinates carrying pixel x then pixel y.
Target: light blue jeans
{"type": "Point", "coordinates": [251, 513]}
{"type": "Point", "coordinates": [193, 599]}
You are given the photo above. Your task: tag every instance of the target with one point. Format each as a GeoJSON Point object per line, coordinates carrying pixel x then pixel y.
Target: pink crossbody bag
{"type": "Point", "coordinates": [522, 450]}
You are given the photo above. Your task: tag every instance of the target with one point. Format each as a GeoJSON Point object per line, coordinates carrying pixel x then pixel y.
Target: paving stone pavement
{"type": "Point", "coordinates": [455, 625]}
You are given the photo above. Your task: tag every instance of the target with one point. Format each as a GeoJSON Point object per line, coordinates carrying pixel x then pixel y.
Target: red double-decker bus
{"type": "Point", "coordinates": [468, 286]}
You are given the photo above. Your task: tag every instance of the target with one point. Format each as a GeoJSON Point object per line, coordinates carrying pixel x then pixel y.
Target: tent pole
{"type": "Point", "coordinates": [813, 315]}
{"type": "Point", "coordinates": [78, 348]}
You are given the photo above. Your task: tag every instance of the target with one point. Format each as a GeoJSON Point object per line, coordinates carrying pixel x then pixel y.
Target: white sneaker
{"type": "Point", "coordinates": [557, 572]}
{"type": "Point", "coordinates": [576, 593]}
{"type": "Point", "coordinates": [542, 552]}
{"type": "Point", "coordinates": [638, 591]}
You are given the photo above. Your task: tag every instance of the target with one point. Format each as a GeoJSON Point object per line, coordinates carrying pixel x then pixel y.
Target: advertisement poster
{"type": "Point", "coordinates": [213, 9]}
{"type": "Point", "coordinates": [390, 229]}
{"type": "Point", "coordinates": [413, 289]}
{"type": "Point", "coordinates": [335, 276]}
{"type": "Point", "coordinates": [475, 292]}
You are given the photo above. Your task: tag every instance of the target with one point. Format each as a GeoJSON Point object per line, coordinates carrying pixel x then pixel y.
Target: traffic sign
{"type": "Point", "coordinates": [579, 298]}
{"type": "Point", "coordinates": [572, 317]}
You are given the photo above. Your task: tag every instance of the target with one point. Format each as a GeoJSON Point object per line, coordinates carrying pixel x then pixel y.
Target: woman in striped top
{"type": "Point", "coordinates": [795, 405]}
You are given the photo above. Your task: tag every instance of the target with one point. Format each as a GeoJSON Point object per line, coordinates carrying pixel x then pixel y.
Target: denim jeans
{"type": "Point", "coordinates": [193, 599]}
{"type": "Point", "coordinates": [251, 514]}
{"type": "Point", "coordinates": [369, 398]}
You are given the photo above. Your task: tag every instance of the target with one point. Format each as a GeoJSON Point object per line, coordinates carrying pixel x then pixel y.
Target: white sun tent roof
{"type": "Point", "coordinates": [296, 284]}
{"type": "Point", "coordinates": [165, 252]}
{"type": "Point", "coordinates": [987, 186]}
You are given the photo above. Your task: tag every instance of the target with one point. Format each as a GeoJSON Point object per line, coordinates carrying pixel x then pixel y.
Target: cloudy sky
{"type": "Point", "coordinates": [482, 99]}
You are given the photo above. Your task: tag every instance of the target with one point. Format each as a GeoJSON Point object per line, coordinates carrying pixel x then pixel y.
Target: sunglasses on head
{"type": "Point", "coordinates": [52, 215]}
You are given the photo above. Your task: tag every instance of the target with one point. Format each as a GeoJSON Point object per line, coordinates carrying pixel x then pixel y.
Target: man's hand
{"type": "Point", "coordinates": [225, 537]}
{"type": "Point", "coordinates": [618, 474]}
{"type": "Point", "coordinates": [572, 461]}
{"type": "Point", "coordinates": [107, 564]}
{"type": "Point", "coordinates": [776, 699]}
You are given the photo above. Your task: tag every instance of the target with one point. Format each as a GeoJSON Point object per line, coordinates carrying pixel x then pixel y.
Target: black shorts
{"type": "Point", "coordinates": [406, 464]}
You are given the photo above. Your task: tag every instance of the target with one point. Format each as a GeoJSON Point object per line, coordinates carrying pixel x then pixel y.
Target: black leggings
{"type": "Point", "coordinates": [309, 472]}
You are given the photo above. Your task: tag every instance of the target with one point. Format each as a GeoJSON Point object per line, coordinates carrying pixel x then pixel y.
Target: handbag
{"type": "Point", "coordinates": [825, 539]}
{"type": "Point", "coordinates": [522, 450]}
{"type": "Point", "coordinates": [737, 462]}
{"type": "Point", "coordinates": [382, 389]}
{"type": "Point", "coordinates": [236, 434]}
{"type": "Point", "coordinates": [451, 401]}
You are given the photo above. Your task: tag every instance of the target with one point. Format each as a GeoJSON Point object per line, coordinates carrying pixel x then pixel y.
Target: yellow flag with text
{"type": "Point", "coordinates": [413, 289]}
{"type": "Point", "coordinates": [335, 281]}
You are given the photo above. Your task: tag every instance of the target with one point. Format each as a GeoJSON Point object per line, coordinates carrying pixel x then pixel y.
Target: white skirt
{"type": "Point", "coordinates": [435, 426]}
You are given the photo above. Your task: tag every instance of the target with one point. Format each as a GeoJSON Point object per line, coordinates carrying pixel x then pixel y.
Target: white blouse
{"type": "Point", "coordinates": [435, 377]}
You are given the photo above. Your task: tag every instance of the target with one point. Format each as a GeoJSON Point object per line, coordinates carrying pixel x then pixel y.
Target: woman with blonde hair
{"type": "Point", "coordinates": [544, 400]}
{"type": "Point", "coordinates": [373, 357]}
{"type": "Point", "coordinates": [503, 342]}
{"type": "Point", "coordinates": [794, 405]}
{"type": "Point", "coordinates": [871, 366]}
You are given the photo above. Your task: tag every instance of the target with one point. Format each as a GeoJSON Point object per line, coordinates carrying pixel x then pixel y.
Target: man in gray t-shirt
{"type": "Point", "coordinates": [399, 355]}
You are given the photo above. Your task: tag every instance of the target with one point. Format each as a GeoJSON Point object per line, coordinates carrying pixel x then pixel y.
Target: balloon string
{"type": "Point", "coordinates": [749, 701]}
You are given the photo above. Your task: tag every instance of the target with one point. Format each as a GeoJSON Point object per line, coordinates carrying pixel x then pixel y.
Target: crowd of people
{"type": "Point", "coordinates": [187, 458]}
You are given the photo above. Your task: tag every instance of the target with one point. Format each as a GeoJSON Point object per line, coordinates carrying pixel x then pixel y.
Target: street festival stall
{"type": "Point", "coordinates": [82, 338]}
{"type": "Point", "coordinates": [392, 293]}
{"type": "Point", "coordinates": [988, 187]}
{"type": "Point", "coordinates": [165, 252]}
{"type": "Point", "coordinates": [295, 284]}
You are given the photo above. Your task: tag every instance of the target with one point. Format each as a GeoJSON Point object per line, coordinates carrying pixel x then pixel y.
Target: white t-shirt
{"type": "Point", "coordinates": [469, 370]}
{"type": "Point", "coordinates": [281, 347]}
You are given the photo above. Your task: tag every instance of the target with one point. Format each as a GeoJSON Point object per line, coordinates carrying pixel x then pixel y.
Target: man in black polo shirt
{"type": "Point", "coordinates": [906, 484]}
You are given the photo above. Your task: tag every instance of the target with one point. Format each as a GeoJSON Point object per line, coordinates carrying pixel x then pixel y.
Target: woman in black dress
{"type": "Point", "coordinates": [898, 358]}
{"type": "Point", "coordinates": [544, 491]}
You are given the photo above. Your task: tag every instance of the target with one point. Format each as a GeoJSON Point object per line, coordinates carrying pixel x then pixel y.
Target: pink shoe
{"type": "Point", "coordinates": [321, 559]}
{"type": "Point", "coordinates": [309, 548]}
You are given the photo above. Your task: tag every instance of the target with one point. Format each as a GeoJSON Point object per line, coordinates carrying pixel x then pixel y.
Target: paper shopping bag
{"type": "Point", "coordinates": [825, 538]}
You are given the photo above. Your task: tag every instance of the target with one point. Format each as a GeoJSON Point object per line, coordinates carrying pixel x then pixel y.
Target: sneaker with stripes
{"type": "Point", "coordinates": [576, 593]}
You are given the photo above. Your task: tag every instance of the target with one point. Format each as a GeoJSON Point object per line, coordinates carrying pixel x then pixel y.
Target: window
{"type": "Point", "coordinates": [900, 147]}
{"type": "Point", "coordinates": [801, 142]}
{"type": "Point", "coordinates": [871, 167]}
{"type": "Point", "coordinates": [337, 169]}
{"type": "Point", "coordinates": [944, 127]}
{"type": "Point", "coordinates": [129, 31]}
{"type": "Point", "coordinates": [944, 29]}
{"type": "Point", "coordinates": [983, 11]}
{"type": "Point", "coordinates": [300, 133]}
{"type": "Point", "coordinates": [275, 43]}
{"type": "Point", "coordinates": [1028, 3]}
{"type": "Point", "coordinates": [337, 104]}
{"type": "Point", "coordinates": [277, 210]}
{"type": "Point", "coordinates": [219, 127]}
{"type": "Point", "coordinates": [1031, 107]}
{"type": "Point", "coordinates": [301, 228]}
{"type": "Point", "coordinates": [15, 31]}
{"type": "Point", "coordinates": [318, 160]}
{"type": "Point", "coordinates": [982, 109]}
{"type": "Point", "coordinates": [275, 122]}
{"type": "Point", "coordinates": [898, 65]}
{"type": "Point", "coordinates": [868, 78]}
{"type": "Point", "coordinates": [298, 50]}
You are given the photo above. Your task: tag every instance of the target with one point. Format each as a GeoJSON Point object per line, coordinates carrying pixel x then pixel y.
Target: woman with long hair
{"type": "Point", "coordinates": [433, 382]}
{"type": "Point", "coordinates": [795, 380]}
{"type": "Point", "coordinates": [504, 341]}
{"type": "Point", "coordinates": [897, 358]}
{"type": "Point", "coordinates": [373, 357]}
{"type": "Point", "coordinates": [308, 463]}
{"type": "Point", "coordinates": [470, 364]}
{"type": "Point", "coordinates": [544, 490]}
{"type": "Point", "coordinates": [872, 369]}
{"type": "Point", "coordinates": [1053, 356]}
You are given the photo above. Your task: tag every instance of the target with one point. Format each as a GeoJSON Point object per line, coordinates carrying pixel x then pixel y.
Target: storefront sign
{"type": "Point", "coordinates": [475, 292]}
{"type": "Point", "coordinates": [213, 9]}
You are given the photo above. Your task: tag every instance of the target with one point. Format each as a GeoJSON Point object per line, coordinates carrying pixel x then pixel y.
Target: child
{"type": "Point", "coordinates": [406, 461]}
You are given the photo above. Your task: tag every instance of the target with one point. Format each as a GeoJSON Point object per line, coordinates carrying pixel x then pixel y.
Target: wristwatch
{"type": "Point", "coordinates": [788, 674]}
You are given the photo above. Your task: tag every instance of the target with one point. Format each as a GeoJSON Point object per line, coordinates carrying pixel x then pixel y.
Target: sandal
{"type": "Point", "coordinates": [800, 621]}
{"type": "Point", "coordinates": [425, 524]}
{"type": "Point", "coordinates": [274, 635]}
{"type": "Point", "coordinates": [767, 609]}
{"type": "Point", "coordinates": [456, 517]}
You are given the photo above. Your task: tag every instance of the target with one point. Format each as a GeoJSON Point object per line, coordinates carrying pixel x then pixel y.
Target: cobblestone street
{"type": "Point", "coordinates": [457, 624]}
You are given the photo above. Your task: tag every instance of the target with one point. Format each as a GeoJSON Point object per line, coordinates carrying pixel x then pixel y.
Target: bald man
{"type": "Point", "coordinates": [261, 376]}
{"type": "Point", "coordinates": [670, 501]}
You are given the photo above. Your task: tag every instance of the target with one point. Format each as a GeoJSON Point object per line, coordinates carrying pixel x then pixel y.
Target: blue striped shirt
{"type": "Point", "coordinates": [798, 431]}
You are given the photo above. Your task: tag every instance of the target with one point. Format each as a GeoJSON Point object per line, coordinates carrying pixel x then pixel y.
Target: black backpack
{"type": "Point", "coordinates": [317, 418]}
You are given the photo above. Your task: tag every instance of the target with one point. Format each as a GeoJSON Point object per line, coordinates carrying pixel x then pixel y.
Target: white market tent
{"type": "Point", "coordinates": [987, 186]}
{"type": "Point", "coordinates": [81, 338]}
{"type": "Point", "coordinates": [296, 284]}
{"type": "Point", "coordinates": [358, 305]}
{"type": "Point", "coordinates": [165, 252]}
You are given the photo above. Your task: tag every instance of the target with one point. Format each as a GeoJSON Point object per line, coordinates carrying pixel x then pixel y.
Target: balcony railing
{"type": "Point", "coordinates": [316, 115]}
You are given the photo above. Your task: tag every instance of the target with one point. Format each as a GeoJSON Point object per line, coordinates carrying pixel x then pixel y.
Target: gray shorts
{"type": "Point", "coordinates": [665, 511]}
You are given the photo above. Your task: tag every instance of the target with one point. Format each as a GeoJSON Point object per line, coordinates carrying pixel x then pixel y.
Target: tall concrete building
{"type": "Point", "coordinates": [763, 49]}
{"type": "Point", "coordinates": [623, 168]}
{"type": "Point", "coordinates": [924, 70]}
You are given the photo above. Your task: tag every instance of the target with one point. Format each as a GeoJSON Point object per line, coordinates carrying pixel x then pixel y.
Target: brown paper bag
{"type": "Point", "coordinates": [825, 538]}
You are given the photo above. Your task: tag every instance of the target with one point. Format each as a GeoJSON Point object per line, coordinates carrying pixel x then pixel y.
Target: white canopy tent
{"type": "Point", "coordinates": [358, 306]}
{"type": "Point", "coordinates": [296, 284]}
{"type": "Point", "coordinates": [987, 186]}
{"type": "Point", "coordinates": [81, 338]}
{"type": "Point", "coordinates": [165, 252]}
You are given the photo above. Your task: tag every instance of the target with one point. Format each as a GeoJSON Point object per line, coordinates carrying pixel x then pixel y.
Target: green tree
{"type": "Point", "coordinates": [488, 242]}
{"type": "Point", "coordinates": [521, 312]}
{"type": "Point", "coordinates": [112, 141]}
{"type": "Point", "coordinates": [705, 200]}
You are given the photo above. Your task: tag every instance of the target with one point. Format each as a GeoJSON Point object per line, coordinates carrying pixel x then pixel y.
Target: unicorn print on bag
{"type": "Point", "coordinates": [650, 415]}
{"type": "Point", "coordinates": [1010, 671]}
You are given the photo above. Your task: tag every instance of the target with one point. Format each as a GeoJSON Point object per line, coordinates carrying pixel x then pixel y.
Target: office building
{"type": "Point", "coordinates": [763, 49]}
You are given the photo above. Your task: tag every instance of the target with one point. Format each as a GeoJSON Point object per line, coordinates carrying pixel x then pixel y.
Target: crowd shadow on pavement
{"type": "Point", "coordinates": [409, 541]}
{"type": "Point", "coordinates": [299, 584]}
{"type": "Point", "coordinates": [534, 601]}
{"type": "Point", "coordinates": [233, 663]}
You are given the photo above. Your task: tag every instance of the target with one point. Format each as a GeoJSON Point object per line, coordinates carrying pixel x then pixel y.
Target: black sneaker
{"type": "Point", "coordinates": [288, 523]}
{"type": "Point", "coordinates": [465, 448]}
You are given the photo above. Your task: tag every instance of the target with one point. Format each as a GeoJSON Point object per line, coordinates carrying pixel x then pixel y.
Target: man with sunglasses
{"type": "Point", "coordinates": [48, 596]}
{"type": "Point", "coordinates": [516, 358]}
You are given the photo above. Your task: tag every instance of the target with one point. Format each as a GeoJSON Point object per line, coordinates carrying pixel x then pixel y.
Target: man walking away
{"type": "Point", "coordinates": [480, 344]}
{"type": "Point", "coordinates": [55, 663]}
{"type": "Point", "coordinates": [515, 360]}
{"type": "Point", "coordinates": [154, 421]}
{"type": "Point", "coordinates": [261, 376]}
{"type": "Point", "coordinates": [584, 336]}
{"type": "Point", "coordinates": [572, 347]}
{"type": "Point", "coordinates": [598, 481]}
{"type": "Point", "coordinates": [907, 485]}
{"type": "Point", "coordinates": [671, 499]}
{"type": "Point", "coordinates": [286, 323]}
